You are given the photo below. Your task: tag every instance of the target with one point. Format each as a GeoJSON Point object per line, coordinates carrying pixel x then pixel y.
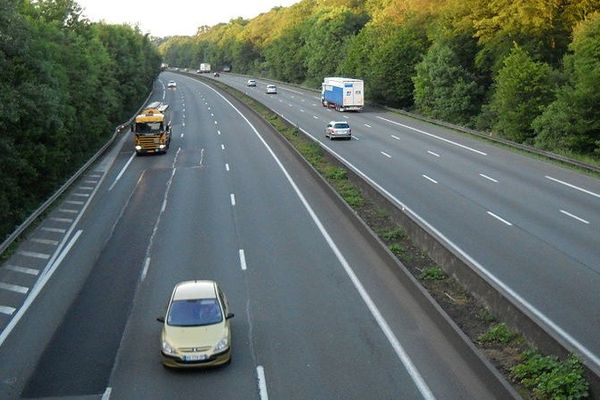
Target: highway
{"type": "Point", "coordinates": [318, 312]}
{"type": "Point", "coordinates": [531, 226]}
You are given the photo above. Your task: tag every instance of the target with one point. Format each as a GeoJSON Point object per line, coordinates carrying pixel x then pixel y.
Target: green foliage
{"type": "Point", "coordinates": [433, 274]}
{"type": "Point", "coordinates": [572, 121]}
{"type": "Point", "coordinates": [523, 88]}
{"type": "Point", "coordinates": [392, 65]}
{"type": "Point", "coordinates": [443, 88]}
{"type": "Point", "coordinates": [63, 89]}
{"type": "Point", "coordinates": [393, 234]}
{"type": "Point", "coordinates": [498, 333]}
{"type": "Point", "coordinates": [549, 378]}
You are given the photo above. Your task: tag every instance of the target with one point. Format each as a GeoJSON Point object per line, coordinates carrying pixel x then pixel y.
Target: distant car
{"type": "Point", "coordinates": [197, 71]}
{"type": "Point", "coordinates": [338, 129]}
{"type": "Point", "coordinates": [196, 330]}
{"type": "Point", "coordinates": [185, 70]}
{"type": "Point", "coordinates": [176, 69]}
{"type": "Point", "coordinates": [216, 75]}
{"type": "Point", "coordinates": [271, 89]}
{"type": "Point", "coordinates": [172, 84]}
{"type": "Point", "coordinates": [251, 82]}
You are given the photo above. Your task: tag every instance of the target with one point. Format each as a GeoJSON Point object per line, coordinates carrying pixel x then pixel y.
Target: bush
{"type": "Point", "coordinates": [433, 274]}
{"type": "Point", "coordinates": [498, 333]}
{"type": "Point", "coordinates": [549, 378]}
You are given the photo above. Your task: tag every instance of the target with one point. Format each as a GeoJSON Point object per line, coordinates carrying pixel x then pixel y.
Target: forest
{"type": "Point", "coordinates": [65, 83]}
{"type": "Point", "coordinates": [527, 70]}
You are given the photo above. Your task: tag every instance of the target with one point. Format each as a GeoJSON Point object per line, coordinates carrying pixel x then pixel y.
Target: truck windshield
{"type": "Point", "coordinates": [148, 127]}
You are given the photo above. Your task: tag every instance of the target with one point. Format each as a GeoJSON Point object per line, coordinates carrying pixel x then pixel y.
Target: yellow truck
{"type": "Point", "coordinates": [152, 129]}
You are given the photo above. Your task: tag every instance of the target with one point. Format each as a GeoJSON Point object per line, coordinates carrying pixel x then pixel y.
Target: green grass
{"type": "Point", "coordinates": [498, 333]}
{"type": "Point", "coordinates": [433, 274]}
{"type": "Point", "coordinates": [393, 234]}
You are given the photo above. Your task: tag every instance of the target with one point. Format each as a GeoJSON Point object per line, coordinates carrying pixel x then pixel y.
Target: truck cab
{"type": "Point", "coordinates": [152, 129]}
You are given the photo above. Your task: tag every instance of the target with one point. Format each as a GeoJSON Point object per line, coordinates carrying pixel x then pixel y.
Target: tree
{"type": "Point", "coordinates": [523, 88]}
{"type": "Point", "coordinates": [572, 121]}
{"type": "Point", "coordinates": [443, 88]}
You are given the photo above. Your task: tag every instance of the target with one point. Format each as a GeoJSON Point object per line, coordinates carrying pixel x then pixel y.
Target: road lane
{"type": "Point", "coordinates": [556, 255]}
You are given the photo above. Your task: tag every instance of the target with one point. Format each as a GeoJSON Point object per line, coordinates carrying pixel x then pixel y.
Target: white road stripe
{"type": "Point", "coordinates": [68, 210]}
{"type": "Point", "coordinates": [301, 110]}
{"type": "Point", "coordinates": [433, 154]}
{"type": "Point", "coordinates": [387, 331]}
{"type": "Point", "coordinates": [226, 167]}
{"type": "Point", "coordinates": [81, 194]}
{"type": "Point", "coordinates": [429, 179]}
{"type": "Point", "coordinates": [232, 198]}
{"type": "Point", "coordinates": [315, 117]}
{"type": "Point", "coordinates": [215, 122]}
{"type": "Point", "coordinates": [45, 241]}
{"type": "Point", "coordinates": [122, 171]}
{"type": "Point", "coordinates": [314, 105]}
{"type": "Point", "coordinates": [145, 270]}
{"type": "Point", "coordinates": [262, 383]}
{"type": "Point", "coordinates": [212, 115]}
{"type": "Point", "coordinates": [66, 220]}
{"type": "Point", "coordinates": [385, 154]}
{"type": "Point", "coordinates": [354, 137]}
{"type": "Point", "coordinates": [499, 218]}
{"type": "Point", "coordinates": [86, 188]}
{"type": "Point", "coordinates": [77, 203]}
{"type": "Point", "coordinates": [7, 310]}
{"type": "Point", "coordinates": [23, 270]}
{"type": "Point", "coordinates": [575, 217]}
{"type": "Point", "coordinates": [106, 394]}
{"type": "Point", "coordinates": [55, 230]}
{"type": "Point", "coordinates": [14, 288]}
{"type": "Point", "coordinates": [395, 137]}
{"type": "Point", "coordinates": [90, 181]}
{"type": "Point", "coordinates": [290, 105]}
{"type": "Point", "coordinates": [434, 136]}
{"type": "Point", "coordinates": [222, 147]}
{"type": "Point", "coordinates": [34, 254]}
{"type": "Point", "coordinates": [368, 126]}
{"type": "Point", "coordinates": [181, 135]}
{"type": "Point", "coordinates": [573, 186]}
{"type": "Point", "coordinates": [218, 132]}
{"type": "Point", "coordinates": [488, 178]}
{"type": "Point", "coordinates": [242, 259]}
{"type": "Point", "coordinates": [95, 176]}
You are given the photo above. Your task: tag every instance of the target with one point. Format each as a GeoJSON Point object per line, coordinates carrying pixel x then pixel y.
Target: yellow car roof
{"type": "Point", "coordinates": [194, 290]}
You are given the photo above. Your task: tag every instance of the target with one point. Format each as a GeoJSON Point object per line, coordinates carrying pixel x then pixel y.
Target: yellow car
{"type": "Point", "coordinates": [196, 330]}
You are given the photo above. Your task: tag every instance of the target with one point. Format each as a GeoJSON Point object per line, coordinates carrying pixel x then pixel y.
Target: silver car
{"type": "Point", "coordinates": [338, 129]}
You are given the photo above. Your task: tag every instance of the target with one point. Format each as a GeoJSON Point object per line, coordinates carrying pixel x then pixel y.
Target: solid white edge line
{"type": "Point", "coordinates": [106, 394]}
{"type": "Point", "coordinates": [37, 288]}
{"type": "Point", "coordinates": [429, 179]}
{"type": "Point", "coordinates": [575, 217]}
{"type": "Point", "coordinates": [573, 186]}
{"type": "Point", "coordinates": [122, 172]}
{"type": "Point", "coordinates": [262, 383]}
{"type": "Point", "coordinates": [242, 259]}
{"type": "Point", "coordinates": [393, 340]}
{"type": "Point", "coordinates": [499, 218]}
{"type": "Point", "coordinates": [434, 136]}
{"type": "Point", "coordinates": [488, 178]}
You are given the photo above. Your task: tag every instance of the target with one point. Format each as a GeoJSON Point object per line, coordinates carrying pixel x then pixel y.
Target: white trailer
{"type": "Point", "coordinates": [204, 68]}
{"type": "Point", "coordinates": [343, 94]}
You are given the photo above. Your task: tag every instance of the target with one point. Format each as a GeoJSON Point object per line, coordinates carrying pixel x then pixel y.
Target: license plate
{"type": "Point", "coordinates": [195, 358]}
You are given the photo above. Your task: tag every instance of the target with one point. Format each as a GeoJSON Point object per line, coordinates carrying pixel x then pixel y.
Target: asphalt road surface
{"type": "Point", "coordinates": [318, 313]}
{"type": "Point", "coordinates": [531, 226]}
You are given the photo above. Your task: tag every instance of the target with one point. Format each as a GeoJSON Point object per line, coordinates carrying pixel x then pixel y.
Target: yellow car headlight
{"type": "Point", "coordinates": [222, 345]}
{"type": "Point", "coordinates": [167, 348]}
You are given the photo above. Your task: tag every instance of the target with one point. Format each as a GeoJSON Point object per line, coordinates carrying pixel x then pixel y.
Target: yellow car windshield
{"type": "Point", "coordinates": [194, 312]}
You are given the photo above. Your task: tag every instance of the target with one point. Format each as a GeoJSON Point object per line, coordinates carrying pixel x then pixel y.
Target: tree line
{"type": "Point", "coordinates": [527, 70]}
{"type": "Point", "coordinates": [64, 85]}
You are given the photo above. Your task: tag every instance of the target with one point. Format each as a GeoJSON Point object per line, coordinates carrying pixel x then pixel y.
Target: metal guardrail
{"type": "Point", "coordinates": [21, 228]}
